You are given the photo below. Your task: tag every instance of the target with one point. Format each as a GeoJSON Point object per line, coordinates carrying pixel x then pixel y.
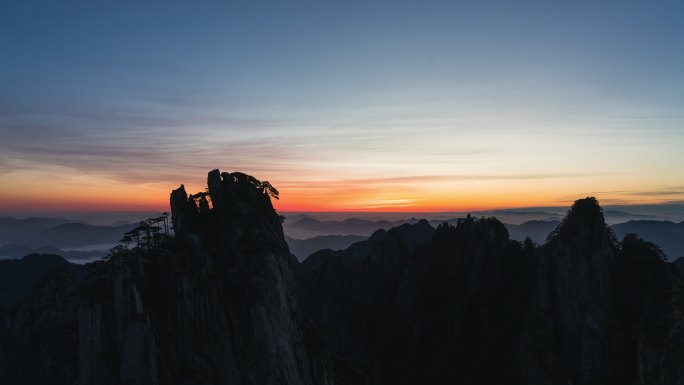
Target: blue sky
{"type": "Point", "coordinates": [435, 101]}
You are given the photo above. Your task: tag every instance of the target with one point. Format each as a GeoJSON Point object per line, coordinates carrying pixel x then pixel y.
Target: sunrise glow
{"type": "Point", "coordinates": [446, 107]}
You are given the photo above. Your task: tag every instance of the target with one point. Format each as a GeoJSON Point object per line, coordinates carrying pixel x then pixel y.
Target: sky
{"type": "Point", "coordinates": [342, 105]}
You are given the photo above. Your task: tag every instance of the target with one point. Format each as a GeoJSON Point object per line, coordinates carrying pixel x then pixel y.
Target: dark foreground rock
{"type": "Point", "coordinates": [224, 302]}
{"type": "Point", "coordinates": [216, 305]}
{"type": "Point", "coordinates": [471, 306]}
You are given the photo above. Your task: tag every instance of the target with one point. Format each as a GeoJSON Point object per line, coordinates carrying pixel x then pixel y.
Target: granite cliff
{"type": "Point", "coordinates": [215, 305]}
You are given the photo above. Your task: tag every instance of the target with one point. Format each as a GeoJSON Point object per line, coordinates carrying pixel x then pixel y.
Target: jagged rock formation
{"type": "Point", "coordinates": [570, 306]}
{"type": "Point", "coordinates": [468, 305]}
{"type": "Point", "coordinates": [215, 308]}
{"type": "Point", "coordinates": [416, 306]}
{"type": "Point", "coordinates": [224, 302]}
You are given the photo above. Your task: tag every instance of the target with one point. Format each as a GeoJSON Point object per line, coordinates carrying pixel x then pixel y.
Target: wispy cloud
{"type": "Point", "coordinates": [625, 197]}
{"type": "Point", "coordinates": [664, 192]}
{"type": "Point", "coordinates": [418, 179]}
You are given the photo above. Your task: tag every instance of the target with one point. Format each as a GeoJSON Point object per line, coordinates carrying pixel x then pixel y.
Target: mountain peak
{"type": "Point", "coordinates": [585, 218]}
{"type": "Point", "coordinates": [45, 259]}
{"type": "Point", "coordinates": [588, 207]}
{"type": "Point", "coordinates": [231, 199]}
{"type": "Point", "coordinates": [414, 234]}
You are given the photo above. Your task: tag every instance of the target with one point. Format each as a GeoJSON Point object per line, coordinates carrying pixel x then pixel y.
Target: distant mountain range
{"type": "Point", "coordinates": [59, 233]}
{"type": "Point", "coordinates": [74, 241]}
{"type": "Point", "coordinates": [307, 227]}
{"type": "Point", "coordinates": [18, 251]}
{"type": "Point", "coordinates": [302, 248]}
{"type": "Point", "coordinates": [304, 234]}
{"type": "Point", "coordinates": [668, 235]}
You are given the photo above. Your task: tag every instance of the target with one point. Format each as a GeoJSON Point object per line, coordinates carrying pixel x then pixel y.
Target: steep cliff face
{"type": "Point", "coordinates": [602, 311]}
{"type": "Point", "coordinates": [214, 306]}
{"type": "Point", "coordinates": [349, 303]}
{"type": "Point", "coordinates": [567, 333]}
{"type": "Point", "coordinates": [116, 344]}
{"type": "Point", "coordinates": [416, 306]}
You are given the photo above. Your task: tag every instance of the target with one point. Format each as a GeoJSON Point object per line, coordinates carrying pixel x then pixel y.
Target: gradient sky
{"type": "Point", "coordinates": [342, 105]}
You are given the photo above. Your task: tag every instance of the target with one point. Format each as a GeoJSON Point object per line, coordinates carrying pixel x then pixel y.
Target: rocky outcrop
{"type": "Point", "coordinates": [602, 310]}
{"type": "Point", "coordinates": [215, 306]}
{"type": "Point", "coordinates": [468, 305]}
{"type": "Point", "coordinates": [417, 305]}
{"type": "Point", "coordinates": [567, 335]}
{"type": "Point", "coordinates": [116, 343]}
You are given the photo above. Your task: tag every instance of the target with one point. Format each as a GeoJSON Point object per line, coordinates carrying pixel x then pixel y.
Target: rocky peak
{"type": "Point", "coordinates": [572, 301]}
{"type": "Point", "coordinates": [584, 222]}
{"type": "Point", "coordinates": [45, 259]}
{"type": "Point", "coordinates": [223, 287]}
{"type": "Point", "coordinates": [415, 234]}
{"type": "Point", "coordinates": [236, 207]}
{"type": "Point", "coordinates": [471, 234]}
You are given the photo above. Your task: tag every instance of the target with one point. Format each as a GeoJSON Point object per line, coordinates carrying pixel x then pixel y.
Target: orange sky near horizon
{"type": "Point", "coordinates": [83, 192]}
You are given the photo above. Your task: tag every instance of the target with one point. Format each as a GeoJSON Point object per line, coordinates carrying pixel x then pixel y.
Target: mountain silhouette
{"type": "Point", "coordinates": [18, 276]}
{"type": "Point", "coordinates": [302, 248]}
{"type": "Point", "coordinates": [223, 301]}
{"type": "Point", "coordinates": [39, 332]}
{"type": "Point", "coordinates": [668, 235]}
{"type": "Point", "coordinates": [58, 233]}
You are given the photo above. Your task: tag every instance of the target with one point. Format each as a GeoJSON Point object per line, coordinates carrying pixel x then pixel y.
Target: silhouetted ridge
{"type": "Point", "coordinates": [415, 234]}
{"type": "Point", "coordinates": [302, 248]}
{"type": "Point", "coordinates": [634, 246]}
{"type": "Point", "coordinates": [668, 235]}
{"type": "Point", "coordinates": [386, 307]}
{"type": "Point", "coordinates": [38, 308]}
{"type": "Point", "coordinates": [18, 276]}
{"type": "Point", "coordinates": [224, 302]}
{"type": "Point", "coordinates": [45, 259]}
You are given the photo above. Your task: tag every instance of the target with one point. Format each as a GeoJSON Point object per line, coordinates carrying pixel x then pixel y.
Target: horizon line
{"type": "Point", "coordinates": [341, 211]}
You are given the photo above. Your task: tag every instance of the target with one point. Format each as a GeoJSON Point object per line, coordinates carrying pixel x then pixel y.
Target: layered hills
{"type": "Point", "coordinates": [223, 301]}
